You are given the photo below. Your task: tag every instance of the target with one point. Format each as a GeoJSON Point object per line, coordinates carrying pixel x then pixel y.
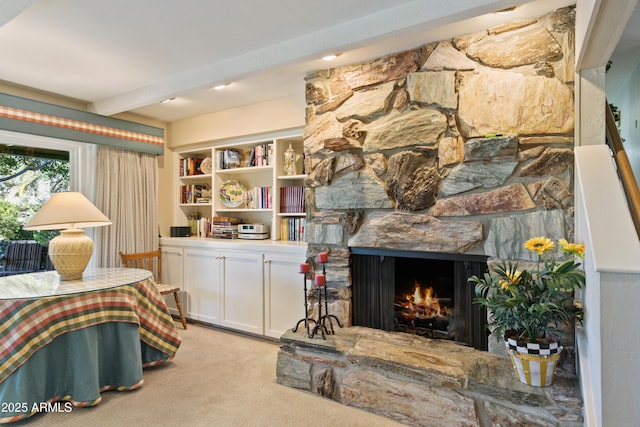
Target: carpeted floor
{"type": "Point", "coordinates": [217, 378]}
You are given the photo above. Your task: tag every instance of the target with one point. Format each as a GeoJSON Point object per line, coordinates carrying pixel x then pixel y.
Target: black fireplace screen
{"type": "Point", "coordinates": [417, 292]}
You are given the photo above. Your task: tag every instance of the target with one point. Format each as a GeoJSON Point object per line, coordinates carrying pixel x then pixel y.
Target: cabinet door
{"type": "Point", "coordinates": [172, 273]}
{"type": "Point", "coordinates": [204, 285]}
{"type": "Point", "coordinates": [243, 291]}
{"type": "Point", "coordinates": [284, 293]}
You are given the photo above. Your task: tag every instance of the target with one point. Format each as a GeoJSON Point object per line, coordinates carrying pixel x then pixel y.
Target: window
{"type": "Point", "coordinates": [79, 160]}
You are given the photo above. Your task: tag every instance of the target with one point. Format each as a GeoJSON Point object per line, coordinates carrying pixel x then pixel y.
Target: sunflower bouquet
{"type": "Point", "coordinates": [530, 305]}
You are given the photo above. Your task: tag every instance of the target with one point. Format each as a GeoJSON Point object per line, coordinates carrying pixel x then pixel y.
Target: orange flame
{"type": "Point", "coordinates": [424, 302]}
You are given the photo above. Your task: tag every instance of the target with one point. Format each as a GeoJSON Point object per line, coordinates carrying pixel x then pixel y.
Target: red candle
{"type": "Point", "coordinates": [323, 257]}
{"type": "Point", "coordinates": [304, 267]}
{"type": "Point", "coordinates": [320, 279]}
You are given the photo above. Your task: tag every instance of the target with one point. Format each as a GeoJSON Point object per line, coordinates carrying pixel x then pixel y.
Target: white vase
{"type": "Point", "coordinates": [290, 161]}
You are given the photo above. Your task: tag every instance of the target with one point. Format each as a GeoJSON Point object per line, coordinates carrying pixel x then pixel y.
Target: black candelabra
{"type": "Point", "coordinates": [321, 284]}
{"type": "Point", "coordinates": [304, 270]}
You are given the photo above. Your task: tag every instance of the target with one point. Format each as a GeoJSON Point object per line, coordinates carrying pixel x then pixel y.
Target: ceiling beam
{"type": "Point", "coordinates": [366, 30]}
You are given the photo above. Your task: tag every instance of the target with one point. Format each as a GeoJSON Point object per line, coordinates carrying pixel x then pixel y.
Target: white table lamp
{"type": "Point", "coordinates": [69, 212]}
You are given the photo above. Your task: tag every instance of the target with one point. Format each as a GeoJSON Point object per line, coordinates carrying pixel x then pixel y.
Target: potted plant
{"type": "Point", "coordinates": [527, 306]}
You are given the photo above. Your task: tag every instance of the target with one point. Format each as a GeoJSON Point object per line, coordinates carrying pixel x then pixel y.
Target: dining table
{"type": "Point", "coordinates": [63, 343]}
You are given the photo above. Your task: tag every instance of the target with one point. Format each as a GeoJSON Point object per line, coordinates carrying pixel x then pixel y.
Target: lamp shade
{"type": "Point", "coordinates": [69, 212]}
{"type": "Point", "coordinates": [67, 209]}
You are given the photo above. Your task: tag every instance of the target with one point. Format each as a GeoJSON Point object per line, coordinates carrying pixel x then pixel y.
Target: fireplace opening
{"type": "Point", "coordinates": [424, 301]}
{"type": "Point", "coordinates": [420, 293]}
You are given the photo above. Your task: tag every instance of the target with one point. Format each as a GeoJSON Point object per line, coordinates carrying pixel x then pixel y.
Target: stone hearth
{"type": "Point", "coordinates": [423, 382]}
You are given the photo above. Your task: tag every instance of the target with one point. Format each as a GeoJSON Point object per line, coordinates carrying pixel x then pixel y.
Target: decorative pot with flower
{"type": "Point", "coordinates": [527, 306]}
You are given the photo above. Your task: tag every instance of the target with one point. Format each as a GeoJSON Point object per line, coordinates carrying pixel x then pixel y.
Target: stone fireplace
{"type": "Point", "coordinates": [461, 147]}
{"type": "Point", "coordinates": [456, 151]}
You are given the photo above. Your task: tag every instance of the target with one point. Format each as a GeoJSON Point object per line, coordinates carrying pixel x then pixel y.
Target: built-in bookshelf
{"type": "Point", "coordinates": [246, 180]}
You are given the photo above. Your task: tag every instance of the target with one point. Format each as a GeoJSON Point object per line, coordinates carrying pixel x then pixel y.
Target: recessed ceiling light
{"type": "Point", "coordinates": [164, 101]}
{"type": "Point", "coordinates": [220, 87]}
{"type": "Point", "coordinates": [331, 57]}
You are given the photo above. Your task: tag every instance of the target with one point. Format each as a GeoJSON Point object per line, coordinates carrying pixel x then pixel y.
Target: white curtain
{"type": "Point", "coordinates": [127, 193]}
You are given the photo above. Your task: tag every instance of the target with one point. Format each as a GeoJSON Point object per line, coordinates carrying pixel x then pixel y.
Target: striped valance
{"type": "Point", "coordinates": [39, 118]}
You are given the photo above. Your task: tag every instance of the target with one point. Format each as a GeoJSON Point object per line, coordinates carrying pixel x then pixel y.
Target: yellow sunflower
{"type": "Point", "coordinates": [572, 248]}
{"type": "Point", "coordinates": [514, 279]}
{"type": "Point", "coordinates": [539, 244]}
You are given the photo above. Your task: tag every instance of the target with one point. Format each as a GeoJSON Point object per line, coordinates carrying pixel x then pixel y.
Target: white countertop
{"type": "Point", "coordinates": [281, 246]}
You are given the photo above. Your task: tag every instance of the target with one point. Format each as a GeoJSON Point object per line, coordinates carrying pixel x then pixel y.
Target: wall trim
{"type": "Point", "coordinates": [34, 117]}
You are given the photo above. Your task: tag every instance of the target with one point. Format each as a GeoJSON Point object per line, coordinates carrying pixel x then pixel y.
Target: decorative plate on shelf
{"type": "Point", "coordinates": [206, 166]}
{"type": "Point", "coordinates": [232, 193]}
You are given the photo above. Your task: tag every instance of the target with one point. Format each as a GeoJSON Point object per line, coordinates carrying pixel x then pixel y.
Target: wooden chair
{"type": "Point", "coordinates": [152, 261]}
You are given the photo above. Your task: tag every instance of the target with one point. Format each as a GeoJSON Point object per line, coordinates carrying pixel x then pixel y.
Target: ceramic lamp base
{"type": "Point", "coordinates": [70, 253]}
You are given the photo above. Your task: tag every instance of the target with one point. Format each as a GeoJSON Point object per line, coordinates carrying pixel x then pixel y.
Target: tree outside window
{"type": "Point", "coordinates": [28, 177]}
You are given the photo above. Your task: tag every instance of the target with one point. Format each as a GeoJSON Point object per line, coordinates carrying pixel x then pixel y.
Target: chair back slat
{"type": "Point", "coordinates": [151, 261]}
{"type": "Point", "coordinates": [23, 255]}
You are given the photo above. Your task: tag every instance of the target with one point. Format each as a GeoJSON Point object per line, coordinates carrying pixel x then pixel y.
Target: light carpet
{"type": "Point", "coordinates": [218, 378]}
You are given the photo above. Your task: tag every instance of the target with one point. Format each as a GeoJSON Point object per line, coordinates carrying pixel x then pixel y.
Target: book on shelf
{"type": "Point", "coordinates": [228, 159]}
{"type": "Point", "coordinates": [260, 155]}
{"type": "Point", "coordinates": [203, 227]}
{"type": "Point", "coordinates": [293, 229]}
{"type": "Point", "coordinates": [259, 198]}
{"type": "Point", "coordinates": [224, 227]}
{"type": "Point", "coordinates": [190, 166]}
{"type": "Point", "coordinates": [195, 193]}
{"type": "Point", "coordinates": [292, 199]}
{"type": "Point", "coordinates": [227, 220]}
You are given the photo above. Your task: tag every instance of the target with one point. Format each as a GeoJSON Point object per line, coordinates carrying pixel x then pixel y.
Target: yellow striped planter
{"type": "Point", "coordinates": [534, 364]}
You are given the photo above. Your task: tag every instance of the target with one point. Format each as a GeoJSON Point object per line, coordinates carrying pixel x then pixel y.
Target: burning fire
{"type": "Point", "coordinates": [421, 304]}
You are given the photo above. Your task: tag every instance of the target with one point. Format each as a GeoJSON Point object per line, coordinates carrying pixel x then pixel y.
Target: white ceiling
{"type": "Point", "coordinates": [128, 55]}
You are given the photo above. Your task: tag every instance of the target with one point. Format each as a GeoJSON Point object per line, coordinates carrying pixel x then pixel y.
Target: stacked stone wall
{"type": "Point", "coordinates": [460, 146]}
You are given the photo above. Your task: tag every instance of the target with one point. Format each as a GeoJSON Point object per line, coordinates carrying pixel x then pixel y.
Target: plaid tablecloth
{"type": "Point", "coordinates": [28, 324]}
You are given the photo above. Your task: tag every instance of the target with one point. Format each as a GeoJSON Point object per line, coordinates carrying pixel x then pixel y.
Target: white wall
{"type": "Point", "coordinates": [282, 113]}
{"type": "Point", "coordinates": [609, 341]}
{"type": "Point", "coordinates": [608, 345]}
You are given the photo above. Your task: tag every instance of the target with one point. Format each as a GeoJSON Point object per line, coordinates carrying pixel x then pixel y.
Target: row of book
{"type": "Point", "coordinates": [190, 166]}
{"type": "Point", "coordinates": [227, 159]}
{"type": "Point", "coordinates": [222, 227]}
{"type": "Point", "coordinates": [260, 155]}
{"type": "Point", "coordinates": [259, 198]}
{"type": "Point", "coordinates": [293, 229]}
{"type": "Point", "coordinates": [225, 227]}
{"type": "Point", "coordinates": [195, 193]}
{"type": "Point", "coordinates": [292, 199]}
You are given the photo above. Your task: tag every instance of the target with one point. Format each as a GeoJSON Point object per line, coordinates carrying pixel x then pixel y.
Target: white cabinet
{"type": "Point", "coordinates": [249, 286]}
{"type": "Point", "coordinates": [283, 293]}
{"type": "Point", "coordinates": [243, 291]}
{"type": "Point", "coordinates": [172, 273]}
{"type": "Point", "coordinates": [203, 285]}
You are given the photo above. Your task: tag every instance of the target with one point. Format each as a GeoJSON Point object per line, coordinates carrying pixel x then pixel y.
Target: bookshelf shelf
{"type": "Point", "coordinates": [292, 177]}
{"type": "Point", "coordinates": [241, 170]}
{"type": "Point", "coordinates": [196, 177]}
